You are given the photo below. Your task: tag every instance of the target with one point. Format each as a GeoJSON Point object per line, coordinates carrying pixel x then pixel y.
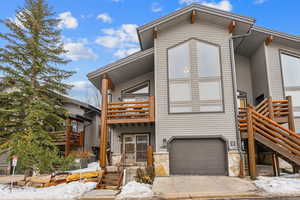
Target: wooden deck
{"type": "Point", "coordinates": [131, 112]}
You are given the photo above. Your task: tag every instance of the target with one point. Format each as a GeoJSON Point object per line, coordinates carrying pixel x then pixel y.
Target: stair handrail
{"type": "Point", "coordinates": [276, 124]}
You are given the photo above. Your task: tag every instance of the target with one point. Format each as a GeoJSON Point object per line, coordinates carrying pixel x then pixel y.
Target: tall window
{"type": "Point", "coordinates": [291, 79]}
{"type": "Point", "coordinates": [195, 78]}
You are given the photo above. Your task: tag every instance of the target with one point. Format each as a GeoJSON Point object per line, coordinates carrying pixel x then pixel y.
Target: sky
{"type": "Point", "coordinates": [98, 32]}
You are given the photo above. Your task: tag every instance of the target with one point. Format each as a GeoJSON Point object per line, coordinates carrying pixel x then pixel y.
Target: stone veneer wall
{"type": "Point", "coordinates": [161, 163]}
{"type": "Point", "coordinates": [116, 158]}
{"type": "Point", "coordinates": [233, 163]}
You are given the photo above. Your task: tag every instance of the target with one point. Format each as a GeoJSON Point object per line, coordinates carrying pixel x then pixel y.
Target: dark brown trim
{"type": "Point", "coordinates": [221, 77]}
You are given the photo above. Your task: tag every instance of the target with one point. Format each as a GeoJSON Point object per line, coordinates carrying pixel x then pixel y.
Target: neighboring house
{"type": "Point", "coordinates": [182, 91]}
{"type": "Point", "coordinates": [85, 123]}
{"type": "Point", "coordinates": [84, 120]}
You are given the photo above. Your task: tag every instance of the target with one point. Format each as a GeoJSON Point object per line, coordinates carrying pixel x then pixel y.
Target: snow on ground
{"type": "Point", "coordinates": [136, 190]}
{"type": "Point", "coordinates": [67, 191]}
{"type": "Point", "coordinates": [279, 185]}
{"type": "Point", "coordinates": [94, 166]}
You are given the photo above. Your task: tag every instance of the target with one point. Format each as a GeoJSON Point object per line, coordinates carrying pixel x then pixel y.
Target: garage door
{"type": "Point", "coordinates": [198, 157]}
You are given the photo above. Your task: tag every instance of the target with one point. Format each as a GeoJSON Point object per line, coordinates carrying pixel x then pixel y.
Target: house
{"type": "Point", "coordinates": [186, 92]}
{"type": "Point", "coordinates": [81, 133]}
{"type": "Point", "coordinates": [84, 119]}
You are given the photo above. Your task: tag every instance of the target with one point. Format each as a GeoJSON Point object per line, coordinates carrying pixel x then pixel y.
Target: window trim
{"type": "Point", "coordinates": [288, 53]}
{"type": "Point", "coordinates": [221, 77]}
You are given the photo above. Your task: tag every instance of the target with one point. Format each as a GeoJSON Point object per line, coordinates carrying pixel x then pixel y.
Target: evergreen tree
{"type": "Point", "coordinates": [30, 104]}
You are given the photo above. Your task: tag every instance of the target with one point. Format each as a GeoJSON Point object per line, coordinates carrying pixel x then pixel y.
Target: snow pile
{"type": "Point", "coordinates": [135, 190]}
{"type": "Point", "coordinates": [278, 185]}
{"type": "Point", "coordinates": [94, 166]}
{"type": "Point", "coordinates": [68, 191]}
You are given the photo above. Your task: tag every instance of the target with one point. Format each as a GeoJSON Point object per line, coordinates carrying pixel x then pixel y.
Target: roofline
{"type": "Point", "coordinates": [275, 33]}
{"type": "Point", "coordinates": [121, 62]}
{"type": "Point", "coordinates": [80, 103]}
{"type": "Point", "coordinates": [198, 7]}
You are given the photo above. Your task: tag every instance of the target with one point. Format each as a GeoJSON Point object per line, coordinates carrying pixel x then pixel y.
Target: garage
{"type": "Point", "coordinates": [198, 156]}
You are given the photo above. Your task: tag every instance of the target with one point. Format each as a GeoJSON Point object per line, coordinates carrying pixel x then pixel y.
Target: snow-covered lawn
{"type": "Point", "coordinates": [279, 185]}
{"type": "Point", "coordinates": [136, 190]}
{"type": "Point", "coordinates": [67, 191]}
{"type": "Point", "coordinates": [94, 166]}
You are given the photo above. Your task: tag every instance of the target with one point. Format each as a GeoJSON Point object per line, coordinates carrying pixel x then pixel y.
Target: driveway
{"type": "Point", "coordinates": [185, 187]}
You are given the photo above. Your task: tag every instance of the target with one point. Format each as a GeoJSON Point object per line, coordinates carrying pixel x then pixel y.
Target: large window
{"type": "Point", "coordinates": [291, 79]}
{"type": "Point", "coordinates": [195, 78]}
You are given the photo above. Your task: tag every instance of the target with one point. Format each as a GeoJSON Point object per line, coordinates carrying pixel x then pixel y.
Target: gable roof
{"type": "Point", "coordinates": [221, 16]}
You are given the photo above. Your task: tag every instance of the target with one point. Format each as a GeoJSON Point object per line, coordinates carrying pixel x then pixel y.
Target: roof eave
{"type": "Point", "coordinates": [276, 33]}
{"type": "Point", "coordinates": [197, 7]}
{"type": "Point", "coordinates": [119, 63]}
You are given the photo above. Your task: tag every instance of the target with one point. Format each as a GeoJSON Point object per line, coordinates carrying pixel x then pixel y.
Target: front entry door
{"type": "Point", "coordinates": [135, 148]}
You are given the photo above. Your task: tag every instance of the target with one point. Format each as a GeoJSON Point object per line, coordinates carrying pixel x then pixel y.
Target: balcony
{"type": "Point", "coordinates": [131, 112]}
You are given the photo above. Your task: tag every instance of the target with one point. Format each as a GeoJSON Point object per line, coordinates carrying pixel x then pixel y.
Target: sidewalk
{"type": "Point", "coordinates": [203, 187]}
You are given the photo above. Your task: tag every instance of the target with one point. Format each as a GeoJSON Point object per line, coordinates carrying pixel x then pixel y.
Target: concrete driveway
{"type": "Point", "coordinates": [187, 187]}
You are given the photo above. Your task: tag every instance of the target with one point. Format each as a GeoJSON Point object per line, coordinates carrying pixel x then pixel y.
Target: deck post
{"type": "Point", "coordinates": [152, 108]}
{"type": "Point", "coordinates": [275, 164]}
{"type": "Point", "coordinates": [291, 120]}
{"type": "Point", "coordinates": [251, 144]}
{"type": "Point", "coordinates": [149, 156]}
{"type": "Point", "coordinates": [270, 107]}
{"type": "Point", "coordinates": [68, 136]}
{"type": "Point", "coordinates": [104, 127]}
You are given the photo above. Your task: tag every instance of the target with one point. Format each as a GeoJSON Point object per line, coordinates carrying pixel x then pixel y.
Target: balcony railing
{"type": "Point", "coordinates": [131, 112]}
{"type": "Point", "coordinates": [61, 138]}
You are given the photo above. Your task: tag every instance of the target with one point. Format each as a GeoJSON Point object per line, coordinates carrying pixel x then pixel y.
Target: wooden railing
{"type": "Point", "coordinates": [273, 131]}
{"type": "Point", "coordinates": [61, 138]}
{"type": "Point", "coordinates": [281, 111]}
{"type": "Point", "coordinates": [131, 112]}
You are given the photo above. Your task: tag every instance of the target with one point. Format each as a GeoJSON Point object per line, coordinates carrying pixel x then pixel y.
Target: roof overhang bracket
{"type": "Point", "coordinates": [232, 26]}
{"type": "Point", "coordinates": [193, 17]}
{"type": "Point", "coordinates": [269, 40]}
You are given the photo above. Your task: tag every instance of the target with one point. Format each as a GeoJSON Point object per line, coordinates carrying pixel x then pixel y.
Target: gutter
{"type": "Point", "coordinates": [234, 84]}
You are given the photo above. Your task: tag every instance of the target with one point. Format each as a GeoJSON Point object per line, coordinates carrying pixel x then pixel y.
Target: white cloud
{"type": "Point", "coordinates": [104, 17]}
{"type": "Point", "coordinates": [260, 1]}
{"type": "Point", "coordinates": [123, 40]}
{"type": "Point", "coordinates": [156, 7]}
{"type": "Point", "coordinates": [222, 5]}
{"type": "Point", "coordinates": [67, 20]}
{"type": "Point", "coordinates": [78, 50]}
{"type": "Point", "coordinates": [80, 85]}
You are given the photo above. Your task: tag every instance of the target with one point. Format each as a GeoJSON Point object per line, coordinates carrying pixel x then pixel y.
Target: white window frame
{"type": "Point", "coordinates": [289, 88]}
{"type": "Point", "coordinates": [194, 81]}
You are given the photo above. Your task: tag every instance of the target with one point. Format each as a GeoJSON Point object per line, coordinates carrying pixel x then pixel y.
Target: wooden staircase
{"type": "Point", "coordinates": [112, 177]}
{"type": "Point", "coordinates": [111, 180]}
{"type": "Point", "coordinates": [265, 124]}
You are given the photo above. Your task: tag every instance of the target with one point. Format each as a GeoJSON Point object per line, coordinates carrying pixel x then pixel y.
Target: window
{"type": "Point", "coordinates": [195, 78]}
{"type": "Point", "coordinates": [291, 79]}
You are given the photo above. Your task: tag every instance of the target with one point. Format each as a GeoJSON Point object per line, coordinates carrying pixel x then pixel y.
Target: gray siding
{"type": "Point", "coordinates": [259, 73]}
{"type": "Point", "coordinates": [116, 93]}
{"type": "Point", "coordinates": [274, 71]}
{"type": "Point", "coordinates": [243, 75]}
{"type": "Point", "coordinates": [92, 133]}
{"type": "Point", "coordinates": [168, 125]}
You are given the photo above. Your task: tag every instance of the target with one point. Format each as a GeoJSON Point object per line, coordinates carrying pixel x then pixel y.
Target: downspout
{"type": "Point", "coordinates": [234, 84]}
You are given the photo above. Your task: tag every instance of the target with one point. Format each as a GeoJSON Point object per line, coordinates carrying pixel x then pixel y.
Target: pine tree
{"type": "Point", "coordinates": [30, 104]}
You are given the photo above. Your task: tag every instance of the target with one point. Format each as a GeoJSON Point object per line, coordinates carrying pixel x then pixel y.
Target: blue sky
{"type": "Point", "coordinates": [97, 32]}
